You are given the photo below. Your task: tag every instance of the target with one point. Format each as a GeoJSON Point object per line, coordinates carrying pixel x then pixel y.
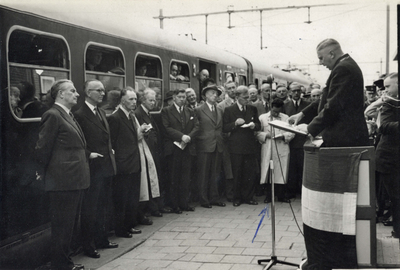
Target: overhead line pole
{"type": "Point", "coordinates": [161, 17]}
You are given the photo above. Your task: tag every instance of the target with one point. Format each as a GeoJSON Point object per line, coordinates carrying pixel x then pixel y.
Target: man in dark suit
{"type": "Point", "coordinates": [96, 200]}
{"type": "Point", "coordinates": [126, 184]}
{"type": "Point", "coordinates": [181, 126]}
{"type": "Point", "coordinates": [64, 165]}
{"type": "Point", "coordinates": [153, 140]}
{"type": "Point", "coordinates": [294, 106]}
{"type": "Point", "coordinates": [340, 120]}
{"type": "Point", "coordinates": [241, 120]}
{"type": "Point", "coordinates": [340, 115]}
{"type": "Point", "coordinates": [209, 146]}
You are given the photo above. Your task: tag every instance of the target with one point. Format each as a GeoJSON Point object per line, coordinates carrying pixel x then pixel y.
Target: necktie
{"type": "Point", "coordinates": [214, 112]}
{"type": "Point", "coordinates": [76, 123]}
{"type": "Point", "coordinates": [97, 113]}
{"type": "Point", "coordinates": [296, 105]}
{"type": "Point", "coordinates": [182, 117]}
{"type": "Point", "coordinates": [133, 119]}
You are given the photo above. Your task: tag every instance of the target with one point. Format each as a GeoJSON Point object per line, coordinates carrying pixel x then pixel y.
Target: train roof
{"type": "Point", "coordinates": [136, 32]}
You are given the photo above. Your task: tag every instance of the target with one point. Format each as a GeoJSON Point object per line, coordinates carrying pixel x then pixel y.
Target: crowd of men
{"type": "Point", "coordinates": [116, 171]}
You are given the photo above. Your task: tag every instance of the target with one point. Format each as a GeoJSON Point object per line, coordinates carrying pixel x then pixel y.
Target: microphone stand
{"type": "Point", "coordinates": [274, 259]}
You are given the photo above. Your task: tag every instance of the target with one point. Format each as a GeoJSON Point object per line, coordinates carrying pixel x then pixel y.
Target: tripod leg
{"type": "Point", "coordinates": [271, 263]}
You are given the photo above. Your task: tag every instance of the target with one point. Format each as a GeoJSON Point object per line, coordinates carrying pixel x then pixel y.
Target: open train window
{"type": "Point", "coordinates": [106, 64]}
{"type": "Point", "coordinates": [179, 75]}
{"type": "Point", "coordinates": [229, 77]}
{"type": "Point", "coordinates": [242, 80]}
{"type": "Point", "coordinates": [35, 60]}
{"type": "Point", "coordinates": [148, 74]}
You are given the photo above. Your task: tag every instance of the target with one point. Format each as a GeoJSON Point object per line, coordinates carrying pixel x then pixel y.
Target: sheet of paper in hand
{"type": "Point", "coordinates": [286, 126]}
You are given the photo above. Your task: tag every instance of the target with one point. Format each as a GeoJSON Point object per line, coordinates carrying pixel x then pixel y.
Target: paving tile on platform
{"type": "Point", "coordinates": [216, 266]}
{"type": "Point", "coordinates": [184, 265]}
{"type": "Point", "coordinates": [207, 258]}
{"type": "Point", "coordinates": [206, 250]}
{"type": "Point", "coordinates": [228, 250]}
{"type": "Point", "coordinates": [237, 259]}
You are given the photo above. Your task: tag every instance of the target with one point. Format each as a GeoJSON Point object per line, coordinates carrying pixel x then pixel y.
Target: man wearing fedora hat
{"type": "Point", "coordinates": [209, 146]}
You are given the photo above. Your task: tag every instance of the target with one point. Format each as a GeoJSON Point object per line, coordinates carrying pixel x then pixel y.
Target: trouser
{"type": "Point", "coordinates": [126, 191]}
{"type": "Point", "coordinates": [243, 169]}
{"type": "Point", "coordinates": [179, 165]}
{"type": "Point", "coordinates": [208, 166]}
{"type": "Point", "coordinates": [392, 185]}
{"type": "Point", "coordinates": [94, 223]}
{"type": "Point", "coordinates": [65, 208]}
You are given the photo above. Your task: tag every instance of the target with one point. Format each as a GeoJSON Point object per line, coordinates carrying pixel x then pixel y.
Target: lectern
{"type": "Point", "coordinates": [338, 196]}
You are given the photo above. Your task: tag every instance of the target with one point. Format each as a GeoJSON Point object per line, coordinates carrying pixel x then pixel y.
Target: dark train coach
{"type": "Point", "coordinates": [39, 47]}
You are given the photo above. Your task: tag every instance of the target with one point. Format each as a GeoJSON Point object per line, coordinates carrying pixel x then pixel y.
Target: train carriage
{"type": "Point", "coordinates": [39, 47]}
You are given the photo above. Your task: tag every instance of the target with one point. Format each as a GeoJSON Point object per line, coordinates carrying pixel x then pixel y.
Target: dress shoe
{"type": "Point", "coordinates": [156, 214]}
{"type": "Point", "coordinates": [78, 267]}
{"type": "Point", "coordinates": [236, 203]}
{"type": "Point", "coordinates": [219, 204]}
{"type": "Point", "coordinates": [267, 200]}
{"type": "Point", "coordinates": [134, 231]}
{"type": "Point", "coordinates": [387, 221]}
{"type": "Point", "coordinates": [206, 205]}
{"type": "Point", "coordinates": [252, 202]}
{"type": "Point", "coordinates": [165, 210]}
{"type": "Point", "coordinates": [123, 234]}
{"type": "Point", "coordinates": [108, 245]}
{"type": "Point", "coordinates": [189, 209]}
{"type": "Point", "coordinates": [177, 211]}
{"type": "Point", "coordinates": [146, 221]}
{"type": "Point", "coordinates": [92, 253]}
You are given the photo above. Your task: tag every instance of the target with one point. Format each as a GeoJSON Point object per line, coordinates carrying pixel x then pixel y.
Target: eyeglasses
{"type": "Point", "coordinates": [98, 90]}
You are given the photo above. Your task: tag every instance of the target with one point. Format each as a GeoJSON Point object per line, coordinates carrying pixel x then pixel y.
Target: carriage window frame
{"type": "Point", "coordinates": [38, 68]}
{"type": "Point", "coordinates": [171, 81]}
{"type": "Point", "coordinates": [160, 79]}
{"type": "Point", "coordinates": [229, 72]}
{"type": "Point", "coordinates": [242, 78]}
{"type": "Point", "coordinates": [182, 63]}
{"type": "Point", "coordinates": [107, 73]}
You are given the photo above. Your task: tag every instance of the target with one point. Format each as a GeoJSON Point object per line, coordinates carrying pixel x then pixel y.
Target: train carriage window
{"type": "Point", "coordinates": [229, 77]}
{"type": "Point", "coordinates": [148, 74]}
{"type": "Point", "coordinates": [106, 64]}
{"type": "Point", "coordinates": [179, 75]}
{"type": "Point", "coordinates": [242, 80]}
{"type": "Point", "coordinates": [35, 60]}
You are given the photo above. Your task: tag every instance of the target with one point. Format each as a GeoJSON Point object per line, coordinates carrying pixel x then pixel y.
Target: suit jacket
{"type": "Point", "coordinates": [209, 136]}
{"type": "Point", "coordinates": [173, 128]}
{"type": "Point", "coordinates": [124, 141]}
{"type": "Point", "coordinates": [61, 152]}
{"type": "Point", "coordinates": [98, 140]}
{"type": "Point", "coordinates": [289, 109]}
{"type": "Point", "coordinates": [241, 140]}
{"type": "Point", "coordinates": [341, 109]}
{"type": "Point", "coordinates": [152, 137]}
{"type": "Point", "coordinates": [388, 149]}
{"type": "Point", "coordinates": [260, 107]}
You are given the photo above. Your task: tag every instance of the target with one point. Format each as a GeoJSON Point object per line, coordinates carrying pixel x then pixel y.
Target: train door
{"type": "Point", "coordinates": [211, 67]}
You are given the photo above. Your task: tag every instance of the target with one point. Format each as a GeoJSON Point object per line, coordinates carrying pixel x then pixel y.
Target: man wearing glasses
{"type": "Point", "coordinates": [96, 200]}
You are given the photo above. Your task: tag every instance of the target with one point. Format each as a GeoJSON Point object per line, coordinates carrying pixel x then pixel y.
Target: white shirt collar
{"type": "Point", "coordinates": [125, 111]}
{"type": "Point", "coordinates": [91, 107]}
{"type": "Point", "coordinates": [240, 105]}
{"type": "Point", "coordinates": [177, 107]}
{"type": "Point", "coordinates": [145, 109]}
{"type": "Point", "coordinates": [62, 106]}
{"type": "Point", "coordinates": [210, 106]}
